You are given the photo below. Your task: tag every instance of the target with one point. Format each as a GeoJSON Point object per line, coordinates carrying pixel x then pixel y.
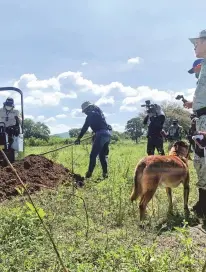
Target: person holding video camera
{"type": "Point", "coordinates": [155, 119]}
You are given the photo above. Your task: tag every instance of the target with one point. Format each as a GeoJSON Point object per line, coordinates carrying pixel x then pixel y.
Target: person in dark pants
{"type": "Point", "coordinates": [156, 119]}
{"type": "Point", "coordinates": [174, 134]}
{"type": "Point", "coordinates": [106, 148]}
{"type": "Point", "coordinates": [96, 121]}
{"type": "Point", "coordinates": [199, 124]}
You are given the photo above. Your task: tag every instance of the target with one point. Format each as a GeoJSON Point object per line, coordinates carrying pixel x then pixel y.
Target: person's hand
{"type": "Point", "coordinates": [188, 105]}
{"type": "Point", "coordinates": [201, 133]}
{"type": "Point", "coordinates": [198, 137]}
{"type": "Point", "coordinates": [163, 133]}
{"type": "Point", "coordinates": [77, 141]}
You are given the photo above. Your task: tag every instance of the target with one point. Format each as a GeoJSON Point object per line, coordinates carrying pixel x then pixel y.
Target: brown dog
{"type": "Point", "coordinates": [169, 170]}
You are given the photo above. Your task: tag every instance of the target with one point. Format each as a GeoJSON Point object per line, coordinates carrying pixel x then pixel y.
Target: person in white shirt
{"type": "Point", "coordinates": [8, 115]}
{"type": "Point", "coordinates": [199, 108]}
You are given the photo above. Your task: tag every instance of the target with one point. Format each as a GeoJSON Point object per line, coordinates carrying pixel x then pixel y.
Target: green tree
{"type": "Point", "coordinates": [37, 130]}
{"type": "Point", "coordinates": [115, 136]}
{"type": "Point", "coordinates": [28, 128]}
{"type": "Point", "coordinates": [74, 132]}
{"type": "Point", "coordinates": [41, 131]}
{"type": "Point", "coordinates": [174, 111]}
{"type": "Point", "coordinates": [134, 128]}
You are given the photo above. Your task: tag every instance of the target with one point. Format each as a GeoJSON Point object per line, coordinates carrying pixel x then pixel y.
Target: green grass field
{"type": "Point", "coordinates": [96, 228]}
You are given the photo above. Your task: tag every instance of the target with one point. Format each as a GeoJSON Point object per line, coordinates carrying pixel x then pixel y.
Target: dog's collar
{"type": "Point", "coordinates": [183, 159]}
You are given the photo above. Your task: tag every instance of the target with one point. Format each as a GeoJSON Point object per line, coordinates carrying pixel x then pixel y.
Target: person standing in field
{"type": "Point", "coordinates": [102, 134]}
{"type": "Point", "coordinates": [155, 119]}
{"type": "Point", "coordinates": [199, 108]}
{"type": "Point", "coordinates": [174, 133]}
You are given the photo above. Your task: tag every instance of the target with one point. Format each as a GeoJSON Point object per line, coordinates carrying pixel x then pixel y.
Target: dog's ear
{"type": "Point", "coordinates": [180, 144]}
{"type": "Point", "coordinates": [176, 146]}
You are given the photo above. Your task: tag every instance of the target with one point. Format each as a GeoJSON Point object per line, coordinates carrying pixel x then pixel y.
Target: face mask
{"type": "Point", "coordinates": [8, 108]}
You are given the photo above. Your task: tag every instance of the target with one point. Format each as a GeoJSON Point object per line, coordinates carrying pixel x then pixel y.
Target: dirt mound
{"type": "Point", "coordinates": [37, 172]}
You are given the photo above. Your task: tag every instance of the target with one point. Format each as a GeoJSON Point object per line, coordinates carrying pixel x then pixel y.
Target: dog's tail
{"type": "Point", "coordinates": [137, 188]}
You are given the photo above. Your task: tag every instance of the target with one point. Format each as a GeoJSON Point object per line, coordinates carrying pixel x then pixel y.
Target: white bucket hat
{"type": "Point", "coordinates": [202, 34]}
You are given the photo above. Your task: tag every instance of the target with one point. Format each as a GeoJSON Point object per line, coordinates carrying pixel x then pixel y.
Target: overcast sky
{"type": "Point", "coordinates": [114, 53]}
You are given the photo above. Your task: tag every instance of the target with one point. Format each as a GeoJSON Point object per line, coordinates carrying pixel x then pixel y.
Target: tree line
{"type": "Point", "coordinates": [134, 128]}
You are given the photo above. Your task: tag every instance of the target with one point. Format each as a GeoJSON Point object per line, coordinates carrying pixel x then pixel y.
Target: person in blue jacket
{"type": "Point", "coordinates": [102, 134]}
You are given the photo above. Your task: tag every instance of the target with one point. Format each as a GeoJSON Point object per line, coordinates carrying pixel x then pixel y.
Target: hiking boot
{"type": "Point", "coordinates": [88, 174]}
{"type": "Point", "coordinates": [80, 183]}
{"type": "Point", "coordinates": [200, 207]}
{"type": "Point", "coordinates": [105, 175]}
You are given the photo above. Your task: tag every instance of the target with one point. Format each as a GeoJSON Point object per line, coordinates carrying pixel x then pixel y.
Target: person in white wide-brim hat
{"type": "Point", "coordinates": [199, 108]}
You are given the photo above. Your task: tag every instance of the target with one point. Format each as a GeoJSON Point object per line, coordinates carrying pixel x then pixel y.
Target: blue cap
{"type": "Point", "coordinates": [195, 63]}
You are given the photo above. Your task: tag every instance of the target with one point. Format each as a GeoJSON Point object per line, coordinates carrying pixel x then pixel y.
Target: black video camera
{"type": "Point", "coordinates": [150, 108]}
{"type": "Point", "coordinates": [178, 97]}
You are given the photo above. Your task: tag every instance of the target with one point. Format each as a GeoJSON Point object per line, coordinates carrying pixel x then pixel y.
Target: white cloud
{"type": "Point", "coordinates": [60, 128]}
{"type": "Point", "coordinates": [51, 83]}
{"type": "Point", "coordinates": [49, 120]}
{"type": "Point", "coordinates": [40, 118]}
{"type": "Point", "coordinates": [76, 80]}
{"type": "Point", "coordinates": [135, 60]}
{"type": "Point", "coordinates": [44, 92]}
{"type": "Point", "coordinates": [105, 100]}
{"type": "Point", "coordinates": [191, 91]}
{"type": "Point", "coordinates": [128, 109]}
{"type": "Point", "coordinates": [118, 127]}
{"type": "Point", "coordinates": [30, 82]}
{"type": "Point", "coordinates": [30, 100]}
{"type": "Point", "coordinates": [5, 94]}
{"type": "Point", "coordinates": [77, 113]}
{"type": "Point", "coordinates": [189, 94]}
{"type": "Point", "coordinates": [146, 93]}
{"type": "Point", "coordinates": [29, 116]}
{"type": "Point", "coordinates": [41, 98]}
{"type": "Point", "coordinates": [108, 114]}
{"type": "Point", "coordinates": [68, 85]}
{"type": "Point", "coordinates": [71, 95]}
{"type": "Point", "coordinates": [84, 63]}
{"type": "Point", "coordinates": [65, 109]}
{"type": "Point", "coordinates": [18, 107]}
{"type": "Point", "coordinates": [24, 80]}
{"type": "Point", "coordinates": [61, 116]}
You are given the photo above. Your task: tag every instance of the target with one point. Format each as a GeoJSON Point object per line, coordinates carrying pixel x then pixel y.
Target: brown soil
{"type": "Point", "coordinates": [36, 172]}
